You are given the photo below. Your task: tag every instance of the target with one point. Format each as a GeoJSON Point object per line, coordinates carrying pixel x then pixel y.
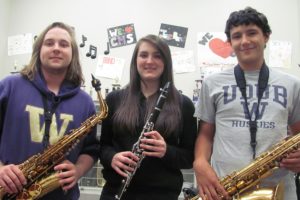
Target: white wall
{"type": "Point", "coordinates": [93, 17]}
{"type": "Point", "coordinates": [4, 15]}
{"type": "Point", "coordinates": [297, 56]}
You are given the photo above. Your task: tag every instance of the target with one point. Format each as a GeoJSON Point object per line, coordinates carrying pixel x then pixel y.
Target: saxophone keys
{"type": "Point", "coordinates": [35, 190]}
{"type": "Point", "coordinates": [23, 195]}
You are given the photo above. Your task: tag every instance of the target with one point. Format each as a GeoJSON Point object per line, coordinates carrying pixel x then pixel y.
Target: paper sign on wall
{"type": "Point", "coordinates": [173, 35]}
{"type": "Point", "coordinates": [121, 35]}
{"type": "Point", "coordinates": [214, 50]}
{"type": "Point", "coordinates": [280, 54]}
{"type": "Point", "coordinates": [19, 44]}
{"type": "Point", "coordinates": [110, 67]}
{"type": "Point", "coordinates": [183, 61]}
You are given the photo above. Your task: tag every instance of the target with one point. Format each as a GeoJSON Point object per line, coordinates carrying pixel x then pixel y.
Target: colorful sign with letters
{"type": "Point", "coordinates": [173, 35]}
{"type": "Point", "coordinates": [121, 35]}
{"type": "Point", "coordinates": [214, 50]}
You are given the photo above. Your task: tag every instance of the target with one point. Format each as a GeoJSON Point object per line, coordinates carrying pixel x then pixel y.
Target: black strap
{"type": "Point", "coordinates": [297, 182]}
{"type": "Point", "coordinates": [48, 117]}
{"type": "Point", "coordinates": [262, 85]}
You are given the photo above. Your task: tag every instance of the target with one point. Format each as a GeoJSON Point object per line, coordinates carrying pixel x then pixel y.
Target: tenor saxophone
{"type": "Point", "coordinates": [240, 183]}
{"type": "Point", "coordinates": [149, 125]}
{"type": "Point", "coordinates": [38, 169]}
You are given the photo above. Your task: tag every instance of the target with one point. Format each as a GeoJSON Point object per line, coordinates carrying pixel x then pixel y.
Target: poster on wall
{"type": "Point", "coordinates": [19, 44]}
{"type": "Point", "coordinates": [173, 35]}
{"type": "Point", "coordinates": [214, 50]}
{"type": "Point", "coordinates": [121, 35]}
{"type": "Point", "coordinates": [110, 67]}
{"type": "Point", "coordinates": [183, 61]}
{"type": "Point", "coordinates": [280, 54]}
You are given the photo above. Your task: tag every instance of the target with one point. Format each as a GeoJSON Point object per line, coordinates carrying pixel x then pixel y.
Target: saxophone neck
{"type": "Point", "coordinates": [103, 111]}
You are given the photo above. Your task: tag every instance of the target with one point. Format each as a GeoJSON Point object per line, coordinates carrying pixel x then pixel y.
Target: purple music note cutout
{"type": "Point", "coordinates": [92, 52]}
{"type": "Point", "coordinates": [83, 41]}
{"type": "Point", "coordinates": [106, 52]}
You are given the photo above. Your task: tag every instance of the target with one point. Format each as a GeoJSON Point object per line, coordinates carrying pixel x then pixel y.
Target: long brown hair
{"type": "Point", "coordinates": [74, 73]}
{"type": "Point", "coordinates": [127, 115]}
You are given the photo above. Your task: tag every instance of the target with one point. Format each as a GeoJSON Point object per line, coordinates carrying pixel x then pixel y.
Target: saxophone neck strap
{"type": "Point", "coordinates": [262, 85]}
{"type": "Point", "coordinates": [48, 113]}
{"type": "Point", "coordinates": [297, 182]}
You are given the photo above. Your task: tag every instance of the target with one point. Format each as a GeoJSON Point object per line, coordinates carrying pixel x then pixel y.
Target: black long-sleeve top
{"type": "Point", "coordinates": [155, 175]}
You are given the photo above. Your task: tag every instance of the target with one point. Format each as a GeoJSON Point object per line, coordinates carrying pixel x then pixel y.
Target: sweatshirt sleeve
{"type": "Point", "coordinates": [181, 156]}
{"type": "Point", "coordinates": [1, 108]}
{"type": "Point", "coordinates": [3, 99]}
{"type": "Point", "coordinates": [91, 143]}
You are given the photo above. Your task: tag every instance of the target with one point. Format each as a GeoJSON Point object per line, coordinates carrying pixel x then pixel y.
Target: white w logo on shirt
{"type": "Point", "coordinates": [37, 130]}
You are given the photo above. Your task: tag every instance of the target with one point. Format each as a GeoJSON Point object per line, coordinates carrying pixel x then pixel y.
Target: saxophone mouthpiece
{"type": "Point", "coordinates": [96, 83]}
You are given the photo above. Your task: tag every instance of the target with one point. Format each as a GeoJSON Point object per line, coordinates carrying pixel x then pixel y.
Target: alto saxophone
{"type": "Point", "coordinates": [149, 125]}
{"type": "Point", "coordinates": [238, 182]}
{"type": "Point", "coordinates": [38, 169]}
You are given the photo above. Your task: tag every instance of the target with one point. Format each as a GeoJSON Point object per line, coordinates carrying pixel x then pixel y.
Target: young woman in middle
{"type": "Point", "coordinates": [167, 149]}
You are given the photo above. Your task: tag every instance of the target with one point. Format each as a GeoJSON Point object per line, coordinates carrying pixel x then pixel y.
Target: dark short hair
{"type": "Point", "coordinates": [246, 17]}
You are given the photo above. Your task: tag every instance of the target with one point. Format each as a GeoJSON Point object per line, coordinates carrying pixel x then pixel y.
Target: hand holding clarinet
{"type": "Point", "coordinates": [150, 143]}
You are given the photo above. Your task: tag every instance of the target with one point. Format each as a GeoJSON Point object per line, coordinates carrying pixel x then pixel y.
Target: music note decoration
{"type": "Point", "coordinates": [92, 52]}
{"type": "Point", "coordinates": [84, 39]}
{"type": "Point", "coordinates": [107, 51]}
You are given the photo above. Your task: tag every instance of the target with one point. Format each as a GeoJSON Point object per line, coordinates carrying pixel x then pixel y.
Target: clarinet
{"type": "Point", "coordinates": [149, 125]}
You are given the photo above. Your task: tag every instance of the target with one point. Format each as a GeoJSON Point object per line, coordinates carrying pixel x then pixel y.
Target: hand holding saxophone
{"type": "Point", "coordinates": [67, 174]}
{"type": "Point", "coordinates": [11, 178]}
{"type": "Point", "coordinates": [153, 144]}
{"type": "Point", "coordinates": [292, 161]}
{"type": "Point", "coordinates": [208, 183]}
